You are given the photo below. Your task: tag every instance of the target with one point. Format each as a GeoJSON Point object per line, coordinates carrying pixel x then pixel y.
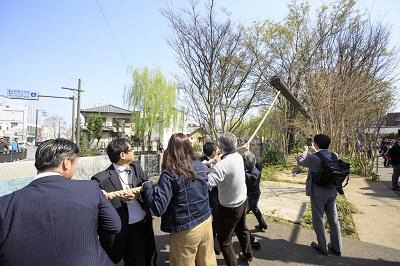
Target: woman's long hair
{"type": "Point", "coordinates": [179, 155]}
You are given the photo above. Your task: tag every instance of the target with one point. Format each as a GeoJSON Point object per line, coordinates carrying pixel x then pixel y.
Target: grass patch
{"type": "Point", "coordinates": [269, 172]}
{"type": "Point", "coordinates": [279, 220]}
{"type": "Point", "coordinates": [85, 152]}
{"type": "Point", "coordinates": [345, 211]}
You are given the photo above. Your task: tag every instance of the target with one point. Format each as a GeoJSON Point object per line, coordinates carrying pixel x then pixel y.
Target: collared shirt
{"type": "Point", "coordinates": [135, 211]}
{"type": "Point", "coordinates": [46, 174]}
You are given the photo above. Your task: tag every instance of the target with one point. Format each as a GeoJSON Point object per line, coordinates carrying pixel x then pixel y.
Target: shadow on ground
{"type": "Point", "coordinates": [279, 251]}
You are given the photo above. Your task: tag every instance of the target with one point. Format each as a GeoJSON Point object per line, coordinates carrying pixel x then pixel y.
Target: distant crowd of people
{"type": "Point", "coordinates": [6, 145]}
{"type": "Point", "coordinates": [202, 202]}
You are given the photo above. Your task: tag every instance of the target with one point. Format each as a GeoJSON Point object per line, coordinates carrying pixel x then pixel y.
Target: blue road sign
{"type": "Point", "coordinates": [22, 94]}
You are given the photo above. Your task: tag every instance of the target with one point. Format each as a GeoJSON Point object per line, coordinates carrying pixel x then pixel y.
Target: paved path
{"type": "Point", "coordinates": [378, 217]}
{"type": "Point", "coordinates": [283, 200]}
{"type": "Point", "coordinates": [385, 175]}
{"type": "Point", "coordinates": [289, 245]}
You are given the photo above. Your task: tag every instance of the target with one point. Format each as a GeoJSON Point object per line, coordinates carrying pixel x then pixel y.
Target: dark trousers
{"type": "Point", "coordinates": [386, 162]}
{"type": "Point", "coordinates": [253, 202]}
{"type": "Point", "coordinates": [138, 249]}
{"type": "Point", "coordinates": [214, 205]}
{"type": "Point", "coordinates": [395, 176]}
{"type": "Point", "coordinates": [233, 220]}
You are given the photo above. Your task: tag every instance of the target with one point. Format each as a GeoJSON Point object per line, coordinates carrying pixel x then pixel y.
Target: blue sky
{"type": "Point", "coordinates": [48, 44]}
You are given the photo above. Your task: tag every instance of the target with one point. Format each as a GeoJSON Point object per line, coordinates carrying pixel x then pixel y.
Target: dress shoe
{"type": "Point", "coordinates": [244, 257]}
{"type": "Point", "coordinates": [217, 251]}
{"type": "Point", "coordinates": [319, 249]}
{"type": "Point", "coordinates": [255, 244]}
{"type": "Point", "coordinates": [334, 251]}
{"type": "Point", "coordinates": [396, 188]}
{"type": "Point", "coordinates": [261, 228]}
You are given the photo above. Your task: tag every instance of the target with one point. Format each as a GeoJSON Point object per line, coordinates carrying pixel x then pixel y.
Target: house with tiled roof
{"type": "Point", "coordinates": [116, 121]}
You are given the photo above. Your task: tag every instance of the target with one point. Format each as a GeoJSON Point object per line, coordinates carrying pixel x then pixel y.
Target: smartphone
{"type": "Point", "coordinates": [309, 142]}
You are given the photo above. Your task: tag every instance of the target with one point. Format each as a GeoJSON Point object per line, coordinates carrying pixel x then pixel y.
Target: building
{"type": "Point", "coordinates": [197, 135]}
{"type": "Point", "coordinates": [17, 119]}
{"type": "Point", "coordinates": [392, 120]}
{"type": "Point", "coordinates": [390, 124]}
{"type": "Point", "coordinates": [116, 122]}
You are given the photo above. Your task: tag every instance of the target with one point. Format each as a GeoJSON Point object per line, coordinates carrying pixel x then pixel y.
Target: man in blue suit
{"type": "Point", "coordinates": [54, 220]}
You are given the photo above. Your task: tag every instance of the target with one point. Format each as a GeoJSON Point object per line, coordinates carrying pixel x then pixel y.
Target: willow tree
{"type": "Point", "coordinates": [153, 101]}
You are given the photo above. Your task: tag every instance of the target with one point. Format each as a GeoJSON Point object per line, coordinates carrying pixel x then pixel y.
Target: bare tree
{"type": "Point", "coordinates": [56, 126]}
{"type": "Point", "coordinates": [338, 64]}
{"type": "Point", "coordinates": [288, 49]}
{"type": "Point", "coordinates": [351, 86]}
{"type": "Point", "coordinates": [221, 85]}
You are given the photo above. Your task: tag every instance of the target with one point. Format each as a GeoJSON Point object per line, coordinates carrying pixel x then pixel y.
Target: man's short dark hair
{"type": "Point", "coordinates": [209, 147]}
{"type": "Point", "coordinates": [323, 141]}
{"type": "Point", "coordinates": [50, 153]}
{"type": "Point", "coordinates": [115, 147]}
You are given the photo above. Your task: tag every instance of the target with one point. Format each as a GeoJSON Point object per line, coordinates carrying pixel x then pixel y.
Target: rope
{"type": "Point", "coordinates": [247, 145]}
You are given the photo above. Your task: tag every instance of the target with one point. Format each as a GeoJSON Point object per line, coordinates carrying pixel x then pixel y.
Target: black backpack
{"type": "Point", "coordinates": [334, 172]}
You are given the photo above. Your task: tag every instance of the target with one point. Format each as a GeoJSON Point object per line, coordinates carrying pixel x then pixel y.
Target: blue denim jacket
{"type": "Point", "coordinates": [181, 203]}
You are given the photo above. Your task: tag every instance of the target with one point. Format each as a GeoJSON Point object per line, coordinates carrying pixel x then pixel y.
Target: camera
{"type": "Point", "coordinates": [309, 142]}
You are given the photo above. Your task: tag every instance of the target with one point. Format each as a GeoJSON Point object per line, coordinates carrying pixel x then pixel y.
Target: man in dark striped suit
{"type": "Point", "coordinates": [54, 220]}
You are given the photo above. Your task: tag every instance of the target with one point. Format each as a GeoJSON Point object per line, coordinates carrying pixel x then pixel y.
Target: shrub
{"type": "Point", "coordinates": [392, 135]}
{"type": "Point", "coordinates": [197, 147]}
{"type": "Point", "coordinates": [273, 157]}
{"type": "Point", "coordinates": [89, 152]}
{"type": "Point", "coordinates": [268, 174]}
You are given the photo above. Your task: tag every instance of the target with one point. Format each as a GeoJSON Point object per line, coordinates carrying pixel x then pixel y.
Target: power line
{"type": "Point", "coordinates": [112, 33]}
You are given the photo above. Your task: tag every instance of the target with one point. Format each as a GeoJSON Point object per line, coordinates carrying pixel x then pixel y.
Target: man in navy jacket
{"type": "Point", "coordinates": [54, 220]}
{"type": "Point", "coordinates": [135, 244]}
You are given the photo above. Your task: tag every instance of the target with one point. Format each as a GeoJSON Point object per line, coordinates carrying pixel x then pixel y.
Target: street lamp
{"type": "Point", "coordinates": [43, 112]}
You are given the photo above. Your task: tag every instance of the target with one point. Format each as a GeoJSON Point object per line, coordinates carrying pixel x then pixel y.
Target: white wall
{"type": "Point", "coordinates": [87, 167]}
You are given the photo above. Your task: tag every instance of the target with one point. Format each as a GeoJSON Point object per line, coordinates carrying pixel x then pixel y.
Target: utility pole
{"type": "Point", "coordinates": [59, 128]}
{"type": "Point", "coordinates": [36, 126]}
{"type": "Point", "coordinates": [36, 129]}
{"type": "Point", "coordinates": [78, 119]}
{"type": "Point", "coordinates": [73, 120]}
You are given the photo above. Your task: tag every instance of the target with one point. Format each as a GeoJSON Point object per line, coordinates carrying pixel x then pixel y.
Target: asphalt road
{"type": "Point", "coordinates": [286, 244]}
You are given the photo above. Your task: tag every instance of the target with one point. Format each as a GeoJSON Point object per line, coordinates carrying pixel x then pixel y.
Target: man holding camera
{"type": "Point", "coordinates": [323, 199]}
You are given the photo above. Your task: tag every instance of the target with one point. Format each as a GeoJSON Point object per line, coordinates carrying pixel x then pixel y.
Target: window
{"type": "Point", "coordinates": [14, 124]}
{"type": "Point", "coordinates": [397, 118]}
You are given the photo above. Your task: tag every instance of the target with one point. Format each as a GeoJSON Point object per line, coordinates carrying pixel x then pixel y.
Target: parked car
{"type": "Point", "coordinates": [24, 145]}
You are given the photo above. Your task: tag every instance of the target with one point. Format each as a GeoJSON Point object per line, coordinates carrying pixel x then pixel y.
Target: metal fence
{"type": "Point", "coordinates": [150, 163]}
{"type": "Point", "coordinates": [11, 156]}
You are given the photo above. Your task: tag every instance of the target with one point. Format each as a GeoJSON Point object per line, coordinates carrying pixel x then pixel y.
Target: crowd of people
{"type": "Point", "coordinates": [6, 145]}
{"type": "Point", "coordinates": [202, 203]}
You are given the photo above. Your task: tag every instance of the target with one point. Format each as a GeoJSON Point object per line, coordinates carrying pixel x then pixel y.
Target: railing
{"type": "Point", "coordinates": [150, 163]}
{"type": "Point", "coordinates": [11, 156]}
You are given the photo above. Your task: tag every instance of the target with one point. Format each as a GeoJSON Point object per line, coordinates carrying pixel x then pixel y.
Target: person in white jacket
{"type": "Point", "coordinates": [229, 176]}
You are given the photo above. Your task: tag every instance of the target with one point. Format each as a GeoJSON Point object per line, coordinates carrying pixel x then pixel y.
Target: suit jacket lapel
{"type": "Point", "coordinates": [114, 178]}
